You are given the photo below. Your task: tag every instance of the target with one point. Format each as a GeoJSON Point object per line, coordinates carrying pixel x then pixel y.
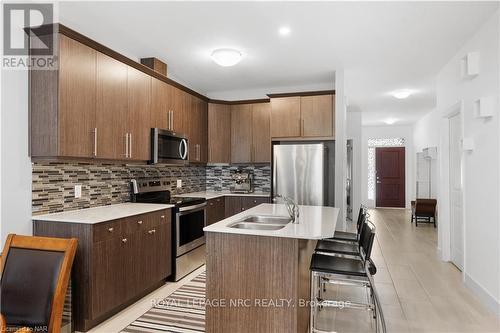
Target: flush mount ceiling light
{"type": "Point", "coordinates": [226, 57]}
{"type": "Point", "coordinates": [390, 121]}
{"type": "Point", "coordinates": [284, 31]}
{"type": "Point", "coordinates": [402, 93]}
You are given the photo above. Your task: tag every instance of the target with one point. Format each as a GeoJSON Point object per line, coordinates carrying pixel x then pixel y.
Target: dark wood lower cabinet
{"type": "Point", "coordinates": [237, 204]}
{"type": "Point", "coordinates": [117, 262]}
{"type": "Point", "coordinates": [215, 210]}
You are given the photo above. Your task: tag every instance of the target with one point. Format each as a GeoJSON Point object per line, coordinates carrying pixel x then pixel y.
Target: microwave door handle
{"type": "Point", "coordinates": [183, 143]}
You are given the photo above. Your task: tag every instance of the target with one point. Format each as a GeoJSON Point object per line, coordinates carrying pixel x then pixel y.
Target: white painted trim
{"type": "Point", "coordinates": [488, 299]}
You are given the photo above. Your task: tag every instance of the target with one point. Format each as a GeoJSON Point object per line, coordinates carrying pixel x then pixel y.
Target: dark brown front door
{"type": "Point", "coordinates": [390, 177]}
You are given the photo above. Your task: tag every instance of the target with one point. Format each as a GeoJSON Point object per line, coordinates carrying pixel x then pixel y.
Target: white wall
{"type": "Point", "coordinates": [380, 132]}
{"type": "Point", "coordinates": [340, 147]}
{"type": "Point", "coordinates": [481, 175]}
{"type": "Point", "coordinates": [15, 175]}
{"type": "Point", "coordinates": [354, 133]}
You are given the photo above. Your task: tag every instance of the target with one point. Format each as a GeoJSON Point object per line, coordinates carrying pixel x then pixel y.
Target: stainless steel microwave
{"type": "Point", "coordinates": [168, 147]}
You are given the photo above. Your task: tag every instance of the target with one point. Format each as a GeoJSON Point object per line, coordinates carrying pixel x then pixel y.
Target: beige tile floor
{"type": "Point", "coordinates": [418, 292]}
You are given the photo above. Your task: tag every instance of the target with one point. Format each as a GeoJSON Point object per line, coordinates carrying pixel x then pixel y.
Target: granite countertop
{"type": "Point", "coordinates": [101, 214]}
{"type": "Point", "coordinates": [315, 222]}
{"type": "Point", "coordinates": [217, 194]}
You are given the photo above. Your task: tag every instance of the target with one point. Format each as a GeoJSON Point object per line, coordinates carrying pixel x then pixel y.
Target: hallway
{"type": "Point", "coordinates": [419, 292]}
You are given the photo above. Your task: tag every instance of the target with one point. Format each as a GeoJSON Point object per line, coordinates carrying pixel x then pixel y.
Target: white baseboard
{"type": "Point", "coordinates": [490, 301]}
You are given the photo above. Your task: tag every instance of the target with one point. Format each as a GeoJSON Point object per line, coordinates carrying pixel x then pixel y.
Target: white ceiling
{"type": "Point", "coordinates": [381, 46]}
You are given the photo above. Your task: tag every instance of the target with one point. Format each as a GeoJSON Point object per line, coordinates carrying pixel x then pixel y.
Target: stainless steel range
{"type": "Point", "coordinates": [189, 219]}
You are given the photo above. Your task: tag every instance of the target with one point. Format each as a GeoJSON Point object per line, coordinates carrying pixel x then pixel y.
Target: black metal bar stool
{"type": "Point", "coordinates": [347, 270]}
{"type": "Point", "coordinates": [351, 236]}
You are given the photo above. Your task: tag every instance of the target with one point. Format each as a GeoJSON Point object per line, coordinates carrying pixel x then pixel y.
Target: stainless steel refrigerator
{"type": "Point", "coordinates": [304, 171]}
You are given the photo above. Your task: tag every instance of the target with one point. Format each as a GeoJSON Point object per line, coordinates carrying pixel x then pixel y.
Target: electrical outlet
{"type": "Point", "coordinates": [179, 183]}
{"type": "Point", "coordinates": [78, 191]}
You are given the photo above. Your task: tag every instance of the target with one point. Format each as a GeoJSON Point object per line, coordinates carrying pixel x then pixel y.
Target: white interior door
{"type": "Point", "coordinates": [456, 193]}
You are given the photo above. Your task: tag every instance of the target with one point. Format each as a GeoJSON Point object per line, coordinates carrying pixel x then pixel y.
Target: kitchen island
{"type": "Point", "coordinates": [258, 280]}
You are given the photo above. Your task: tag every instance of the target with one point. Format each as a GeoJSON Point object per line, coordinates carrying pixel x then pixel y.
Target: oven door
{"type": "Point", "coordinates": [168, 147]}
{"type": "Point", "coordinates": [189, 223]}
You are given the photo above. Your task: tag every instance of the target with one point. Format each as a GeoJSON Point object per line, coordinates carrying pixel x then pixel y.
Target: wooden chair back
{"type": "Point", "coordinates": [35, 274]}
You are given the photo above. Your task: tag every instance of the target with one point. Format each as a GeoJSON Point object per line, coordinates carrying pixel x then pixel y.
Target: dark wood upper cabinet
{"type": "Point", "coordinates": [317, 115]}
{"type": "Point", "coordinates": [241, 133]}
{"type": "Point", "coordinates": [285, 117]}
{"type": "Point", "coordinates": [250, 133]}
{"type": "Point", "coordinates": [303, 116]}
{"type": "Point", "coordinates": [261, 133]}
{"type": "Point", "coordinates": [197, 128]}
{"type": "Point", "coordinates": [179, 104]}
{"type": "Point", "coordinates": [219, 133]}
{"type": "Point", "coordinates": [160, 104]}
{"type": "Point", "coordinates": [63, 104]}
{"type": "Point", "coordinates": [111, 108]}
{"type": "Point", "coordinates": [139, 110]}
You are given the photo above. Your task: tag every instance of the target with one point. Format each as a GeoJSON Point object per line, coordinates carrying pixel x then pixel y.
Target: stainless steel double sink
{"type": "Point", "coordinates": [261, 222]}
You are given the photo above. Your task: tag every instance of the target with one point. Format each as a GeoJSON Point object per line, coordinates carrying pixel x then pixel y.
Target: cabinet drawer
{"type": "Point", "coordinates": [249, 202]}
{"type": "Point", "coordinates": [137, 223]}
{"type": "Point", "coordinates": [161, 217]}
{"type": "Point", "coordinates": [107, 230]}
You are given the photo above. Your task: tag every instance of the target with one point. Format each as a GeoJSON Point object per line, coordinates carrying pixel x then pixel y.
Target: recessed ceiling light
{"type": "Point", "coordinates": [390, 121]}
{"type": "Point", "coordinates": [226, 57]}
{"type": "Point", "coordinates": [284, 31]}
{"type": "Point", "coordinates": [401, 93]}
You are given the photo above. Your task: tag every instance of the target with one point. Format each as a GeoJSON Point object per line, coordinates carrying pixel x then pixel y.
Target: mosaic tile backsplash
{"type": "Point", "coordinates": [53, 183]}
{"type": "Point", "coordinates": [219, 177]}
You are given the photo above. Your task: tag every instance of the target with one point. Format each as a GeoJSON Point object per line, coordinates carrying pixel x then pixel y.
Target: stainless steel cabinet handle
{"type": "Point", "coordinates": [126, 145]}
{"type": "Point", "coordinates": [95, 142]}
{"type": "Point", "coordinates": [171, 120]}
{"type": "Point", "coordinates": [151, 231]}
{"type": "Point", "coordinates": [139, 222]}
{"type": "Point", "coordinates": [110, 229]}
{"type": "Point", "coordinates": [124, 240]}
{"type": "Point", "coordinates": [163, 216]}
{"type": "Point", "coordinates": [130, 145]}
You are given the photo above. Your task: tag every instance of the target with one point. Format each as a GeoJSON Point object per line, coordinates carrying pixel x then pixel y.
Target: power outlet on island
{"type": "Point", "coordinates": [78, 191]}
{"type": "Point", "coordinates": [179, 183]}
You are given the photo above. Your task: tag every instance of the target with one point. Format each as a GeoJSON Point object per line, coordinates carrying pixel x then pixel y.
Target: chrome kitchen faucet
{"type": "Point", "coordinates": [291, 206]}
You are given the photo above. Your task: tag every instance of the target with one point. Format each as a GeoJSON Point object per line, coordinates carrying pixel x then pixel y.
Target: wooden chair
{"type": "Point", "coordinates": [425, 210]}
{"type": "Point", "coordinates": [35, 273]}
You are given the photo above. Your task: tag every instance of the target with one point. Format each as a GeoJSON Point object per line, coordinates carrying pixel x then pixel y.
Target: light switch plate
{"type": "Point", "coordinates": [78, 191]}
{"type": "Point", "coordinates": [179, 183]}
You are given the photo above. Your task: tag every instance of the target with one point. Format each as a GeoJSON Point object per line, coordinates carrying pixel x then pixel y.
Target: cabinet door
{"type": "Point", "coordinates": [241, 133]}
{"type": "Point", "coordinates": [232, 206]}
{"type": "Point", "coordinates": [77, 98]}
{"type": "Point", "coordinates": [163, 247]}
{"type": "Point", "coordinates": [160, 104]}
{"type": "Point", "coordinates": [108, 275]}
{"type": "Point", "coordinates": [261, 135]}
{"type": "Point", "coordinates": [317, 115]}
{"type": "Point", "coordinates": [219, 133]}
{"type": "Point", "coordinates": [220, 209]}
{"type": "Point", "coordinates": [211, 211]}
{"type": "Point", "coordinates": [202, 129]}
{"type": "Point", "coordinates": [178, 105]}
{"type": "Point", "coordinates": [111, 107]}
{"type": "Point", "coordinates": [139, 110]}
{"type": "Point", "coordinates": [285, 117]}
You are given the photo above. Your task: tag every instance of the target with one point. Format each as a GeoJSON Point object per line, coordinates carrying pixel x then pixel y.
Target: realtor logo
{"type": "Point", "coordinates": [18, 16]}
{"type": "Point", "coordinates": [28, 39]}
